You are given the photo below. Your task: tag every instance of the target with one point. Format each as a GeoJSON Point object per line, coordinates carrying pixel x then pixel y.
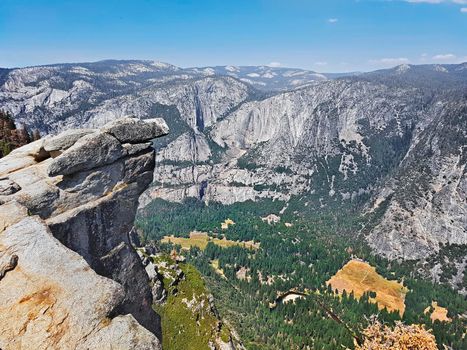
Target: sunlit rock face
{"type": "Point", "coordinates": [426, 198]}
{"type": "Point", "coordinates": [70, 278]}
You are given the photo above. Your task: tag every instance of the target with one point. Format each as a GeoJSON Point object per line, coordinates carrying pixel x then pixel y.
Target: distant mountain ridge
{"type": "Point", "coordinates": [266, 78]}
{"type": "Point", "coordinates": [430, 76]}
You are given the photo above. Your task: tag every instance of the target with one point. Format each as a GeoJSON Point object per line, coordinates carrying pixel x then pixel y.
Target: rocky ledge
{"type": "Point", "coordinates": [69, 278]}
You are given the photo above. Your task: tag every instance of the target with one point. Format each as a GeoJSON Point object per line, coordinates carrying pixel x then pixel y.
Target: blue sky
{"type": "Point", "coordinates": [331, 35]}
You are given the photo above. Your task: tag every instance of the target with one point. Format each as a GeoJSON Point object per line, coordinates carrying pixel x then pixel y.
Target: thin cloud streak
{"type": "Point", "coordinates": [390, 61]}
{"type": "Point", "coordinates": [444, 57]}
{"type": "Point", "coordinates": [275, 64]}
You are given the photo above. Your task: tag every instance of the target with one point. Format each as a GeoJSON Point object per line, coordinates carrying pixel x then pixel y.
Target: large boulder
{"type": "Point", "coordinates": [70, 278]}
{"type": "Point", "coordinates": [133, 130]}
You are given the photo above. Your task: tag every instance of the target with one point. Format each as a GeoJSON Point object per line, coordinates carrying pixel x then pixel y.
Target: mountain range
{"type": "Point", "coordinates": [390, 144]}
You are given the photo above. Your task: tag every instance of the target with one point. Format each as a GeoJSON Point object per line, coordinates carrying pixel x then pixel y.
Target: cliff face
{"type": "Point", "coordinates": [426, 198]}
{"type": "Point", "coordinates": [69, 278]}
{"type": "Point", "coordinates": [329, 139]}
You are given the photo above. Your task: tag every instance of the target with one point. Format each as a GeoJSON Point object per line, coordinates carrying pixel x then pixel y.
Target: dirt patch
{"type": "Point", "coordinates": [439, 313]}
{"type": "Point", "coordinates": [227, 222]}
{"type": "Point", "coordinates": [359, 277]}
{"type": "Point", "coordinates": [242, 274]}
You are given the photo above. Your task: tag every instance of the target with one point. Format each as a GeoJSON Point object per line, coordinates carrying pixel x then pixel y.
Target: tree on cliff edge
{"type": "Point", "coordinates": [10, 136]}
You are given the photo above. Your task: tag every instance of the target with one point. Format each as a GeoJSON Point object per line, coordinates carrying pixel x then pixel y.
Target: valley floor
{"type": "Point", "coordinates": [302, 256]}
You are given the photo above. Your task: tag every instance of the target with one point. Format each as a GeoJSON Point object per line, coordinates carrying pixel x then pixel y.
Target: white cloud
{"type": "Point", "coordinates": [444, 57]}
{"type": "Point", "coordinates": [426, 1]}
{"type": "Point", "coordinates": [464, 9]}
{"type": "Point", "coordinates": [458, 2]}
{"type": "Point", "coordinates": [333, 20]}
{"type": "Point", "coordinates": [275, 64]}
{"type": "Point", "coordinates": [321, 63]}
{"type": "Point", "coordinates": [423, 57]}
{"type": "Point", "coordinates": [390, 61]}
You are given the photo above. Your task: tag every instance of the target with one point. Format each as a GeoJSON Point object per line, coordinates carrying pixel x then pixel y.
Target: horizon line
{"type": "Point", "coordinates": [232, 65]}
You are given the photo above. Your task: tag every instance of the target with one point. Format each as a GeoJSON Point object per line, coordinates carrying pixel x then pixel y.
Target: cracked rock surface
{"type": "Point", "coordinates": [67, 204]}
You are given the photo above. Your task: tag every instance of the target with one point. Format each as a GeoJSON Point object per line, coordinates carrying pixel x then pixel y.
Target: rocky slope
{"type": "Point", "coordinates": [426, 76]}
{"type": "Point", "coordinates": [69, 278]}
{"type": "Point", "coordinates": [352, 141]}
{"type": "Point", "coordinates": [190, 319]}
{"type": "Point", "coordinates": [426, 199]}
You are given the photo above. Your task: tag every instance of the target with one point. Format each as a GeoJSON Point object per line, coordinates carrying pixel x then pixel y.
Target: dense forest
{"type": "Point", "coordinates": [299, 253]}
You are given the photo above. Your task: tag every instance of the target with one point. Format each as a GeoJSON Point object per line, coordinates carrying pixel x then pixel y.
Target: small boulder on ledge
{"type": "Point", "coordinates": [134, 130]}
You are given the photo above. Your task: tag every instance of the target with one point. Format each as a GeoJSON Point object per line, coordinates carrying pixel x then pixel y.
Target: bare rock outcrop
{"type": "Point", "coordinates": [70, 278]}
{"type": "Point", "coordinates": [426, 198]}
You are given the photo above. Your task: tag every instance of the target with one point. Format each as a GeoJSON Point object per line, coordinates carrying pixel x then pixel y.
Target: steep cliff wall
{"type": "Point", "coordinates": [69, 278]}
{"type": "Point", "coordinates": [426, 198]}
